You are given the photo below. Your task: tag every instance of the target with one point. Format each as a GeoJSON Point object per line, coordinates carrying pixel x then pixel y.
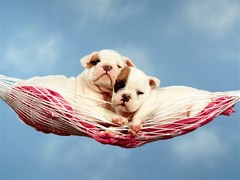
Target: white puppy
{"type": "Point", "coordinates": [138, 96]}
{"type": "Point", "coordinates": [96, 82]}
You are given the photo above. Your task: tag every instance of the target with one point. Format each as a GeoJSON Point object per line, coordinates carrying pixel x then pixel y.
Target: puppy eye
{"type": "Point", "coordinates": [120, 67]}
{"type": "Point", "coordinates": [140, 93]}
{"type": "Point", "coordinates": [119, 85]}
{"type": "Point", "coordinates": [95, 62]}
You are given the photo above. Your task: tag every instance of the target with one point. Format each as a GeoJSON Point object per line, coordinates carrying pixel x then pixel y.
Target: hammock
{"type": "Point", "coordinates": [56, 110]}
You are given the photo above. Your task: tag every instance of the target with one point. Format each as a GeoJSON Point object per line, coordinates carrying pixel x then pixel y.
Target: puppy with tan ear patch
{"type": "Point", "coordinates": [102, 68]}
{"type": "Point", "coordinates": [138, 96]}
{"type": "Point", "coordinates": [96, 81]}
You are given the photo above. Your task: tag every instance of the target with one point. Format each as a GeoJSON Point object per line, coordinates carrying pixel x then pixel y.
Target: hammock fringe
{"type": "Point", "coordinates": [54, 110]}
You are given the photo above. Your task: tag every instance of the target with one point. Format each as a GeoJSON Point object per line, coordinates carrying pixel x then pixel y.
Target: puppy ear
{"type": "Point", "coordinates": [154, 82]}
{"type": "Point", "coordinates": [84, 61]}
{"type": "Point", "coordinates": [128, 62]}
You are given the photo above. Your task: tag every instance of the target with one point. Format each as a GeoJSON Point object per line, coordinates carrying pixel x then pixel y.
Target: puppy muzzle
{"type": "Point", "coordinates": [107, 68]}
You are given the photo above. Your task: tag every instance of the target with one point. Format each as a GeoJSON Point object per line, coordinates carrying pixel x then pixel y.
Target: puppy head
{"type": "Point", "coordinates": [102, 68]}
{"type": "Point", "coordinates": [131, 89]}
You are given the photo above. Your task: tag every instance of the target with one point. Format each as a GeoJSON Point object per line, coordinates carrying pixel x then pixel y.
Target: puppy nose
{"type": "Point", "coordinates": [125, 98]}
{"type": "Point", "coordinates": [107, 68]}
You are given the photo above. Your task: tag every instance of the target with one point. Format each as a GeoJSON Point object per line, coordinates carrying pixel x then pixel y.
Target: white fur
{"type": "Point", "coordinates": [142, 107]}
{"type": "Point", "coordinates": [96, 76]}
{"type": "Point", "coordinates": [93, 82]}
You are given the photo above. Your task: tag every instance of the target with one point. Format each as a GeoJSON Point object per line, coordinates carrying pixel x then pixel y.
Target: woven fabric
{"type": "Point", "coordinates": [47, 111]}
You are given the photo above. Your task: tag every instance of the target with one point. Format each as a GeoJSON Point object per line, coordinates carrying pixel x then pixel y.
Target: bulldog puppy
{"type": "Point", "coordinates": [139, 97]}
{"type": "Point", "coordinates": [102, 68]}
{"type": "Point", "coordinates": [95, 82]}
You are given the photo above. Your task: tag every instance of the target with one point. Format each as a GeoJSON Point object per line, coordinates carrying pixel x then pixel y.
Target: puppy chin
{"type": "Point", "coordinates": [123, 111]}
{"type": "Point", "coordinates": [104, 84]}
{"type": "Point", "coordinates": [103, 79]}
{"type": "Point", "coordinates": [127, 109]}
{"type": "Point", "coordinates": [132, 108]}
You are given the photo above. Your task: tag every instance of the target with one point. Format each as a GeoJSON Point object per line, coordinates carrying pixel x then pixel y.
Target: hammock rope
{"type": "Point", "coordinates": [56, 110]}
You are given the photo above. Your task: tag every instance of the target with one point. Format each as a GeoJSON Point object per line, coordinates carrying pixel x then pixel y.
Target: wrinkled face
{"type": "Point", "coordinates": [131, 89]}
{"type": "Point", "coordinates": [102, 68]}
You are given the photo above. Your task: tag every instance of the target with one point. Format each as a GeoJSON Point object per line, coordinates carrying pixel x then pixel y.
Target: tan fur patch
{"type": "Point", "coordinates": [122, 79]}
{"type": "Point", "coordinates": [93, 59]}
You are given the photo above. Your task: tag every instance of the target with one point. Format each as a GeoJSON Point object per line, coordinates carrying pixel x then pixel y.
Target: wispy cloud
{"type": "Point", "coordinates": [140, 57]}
{"type": "Point", "coordinates": [82, 151]}
{"type": "Point", "coordinates": [28, 50]}
{"type": "Point", "coordinates": [199, 147]}
{"type": "Point", "coordinates": [216, 17]}
{"type": "Point", "coordinates": [107, 10]}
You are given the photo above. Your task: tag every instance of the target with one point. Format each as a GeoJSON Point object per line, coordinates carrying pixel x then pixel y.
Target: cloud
{"type": "Point", "coordinates": [200, 147]}
{"type": "Point", "coordinates": [107, 10]}
{"type": "Point", "coordinates": [82, 154]}
{"type": "Point", "coordinates": [140, 57]}
{"type": "Point", "coordinates": [216, 17]}
{"type": "Point", "coordinates": [28, 50]}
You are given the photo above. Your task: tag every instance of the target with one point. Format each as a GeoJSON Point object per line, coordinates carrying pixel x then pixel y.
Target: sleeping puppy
{"type": "Point", "coordinates": [139, 97]}
{"type": "Point", "coordinates": [95, 82]}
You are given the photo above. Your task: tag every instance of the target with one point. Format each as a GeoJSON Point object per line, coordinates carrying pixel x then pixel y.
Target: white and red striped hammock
{"type": "Point", "coordinates": [44, 108]}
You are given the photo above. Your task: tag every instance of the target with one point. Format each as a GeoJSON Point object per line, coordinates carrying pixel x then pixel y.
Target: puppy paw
{"type": "Point", "coordinates": [120, 120]}
{"type": "Point", "coordinates": [107, 134]}
{"type": "Point", "coordinates": [135, 128]}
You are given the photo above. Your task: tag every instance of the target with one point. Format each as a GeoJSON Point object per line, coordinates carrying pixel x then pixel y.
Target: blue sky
{"type": "Point", "coordinates": [185, 42]}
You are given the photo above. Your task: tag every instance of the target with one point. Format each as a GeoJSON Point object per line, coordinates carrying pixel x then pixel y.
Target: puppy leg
{"type": "Point", "coordinates": [119, 120]}
{"type": "Point", "coordinates": [137, 122]}
{"type": "Point", "coordinates": [135, 127]}
{"type": "Point", "coordinates": [140, 116]}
